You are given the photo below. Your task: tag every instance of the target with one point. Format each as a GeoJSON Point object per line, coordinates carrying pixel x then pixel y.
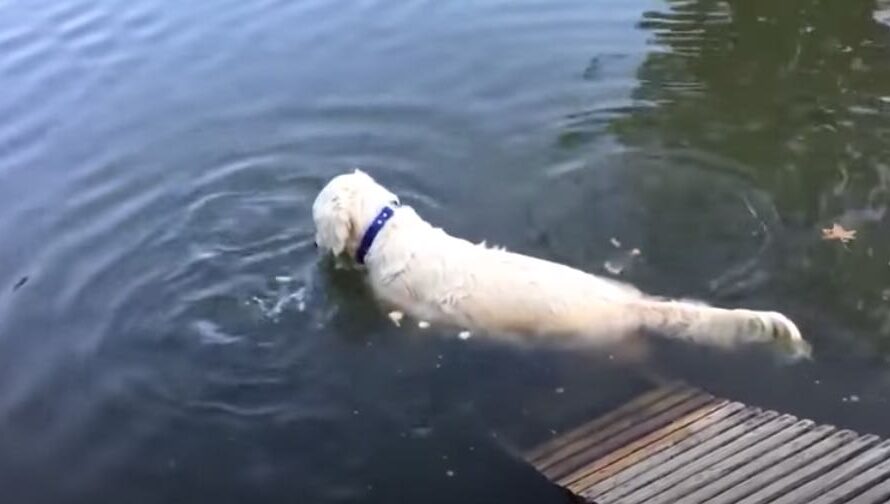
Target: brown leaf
{"type": "Point", "coordinates": [837, 232]}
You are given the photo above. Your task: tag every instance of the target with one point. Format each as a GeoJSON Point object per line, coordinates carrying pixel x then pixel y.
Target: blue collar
{"type": "Point", "coordinates": [372, 232]}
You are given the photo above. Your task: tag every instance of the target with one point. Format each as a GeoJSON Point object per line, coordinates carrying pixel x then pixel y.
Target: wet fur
{"type": "Point", "coordinates": [421, 270]}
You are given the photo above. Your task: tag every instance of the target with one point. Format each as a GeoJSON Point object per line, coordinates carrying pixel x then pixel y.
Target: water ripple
{"type": "Point", "coordinates": [164, 157]}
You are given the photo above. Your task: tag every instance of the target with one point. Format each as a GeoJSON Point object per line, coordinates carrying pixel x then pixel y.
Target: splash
{"type": "Point", "coordinates": [284, 300]}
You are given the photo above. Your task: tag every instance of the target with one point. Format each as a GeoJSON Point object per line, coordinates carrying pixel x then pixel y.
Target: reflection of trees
{"type": "Point", "coordinates": [790, 88]}
{"type": "Point", "coordinates": [797, 92]}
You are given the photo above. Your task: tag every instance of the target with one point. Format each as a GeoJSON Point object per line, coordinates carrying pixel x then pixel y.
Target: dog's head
{"type": "Point", "coordinates": [344, 208]}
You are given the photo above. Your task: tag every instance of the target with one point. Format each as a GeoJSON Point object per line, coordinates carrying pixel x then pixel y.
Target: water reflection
{"type": "Point", "coordinates": [793, 96]}
{"type": "Point", "coordinates": [167, 334]}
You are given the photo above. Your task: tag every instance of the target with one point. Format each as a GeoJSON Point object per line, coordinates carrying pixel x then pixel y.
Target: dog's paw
{"type": "Point", "coordinates": [785, 335]}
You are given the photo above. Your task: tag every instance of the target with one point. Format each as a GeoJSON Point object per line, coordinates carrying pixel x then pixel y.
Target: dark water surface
{"type": "Point", "coordinates": [168, 334]}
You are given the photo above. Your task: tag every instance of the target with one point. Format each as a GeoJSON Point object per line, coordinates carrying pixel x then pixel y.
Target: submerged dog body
{"type": "Point", "coordinates": [419, 269]}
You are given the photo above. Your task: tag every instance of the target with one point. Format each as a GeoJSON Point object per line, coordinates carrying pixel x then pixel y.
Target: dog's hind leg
{"type": "Point", "coordinates": [721, 327]}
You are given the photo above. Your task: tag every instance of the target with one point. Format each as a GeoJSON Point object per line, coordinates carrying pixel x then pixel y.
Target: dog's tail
{"type": "Point", "coordinates": [721, 327]}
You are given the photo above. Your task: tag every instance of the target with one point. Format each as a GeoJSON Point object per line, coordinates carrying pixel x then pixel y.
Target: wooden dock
{"type": "Point", "coordinates": [677, 444]}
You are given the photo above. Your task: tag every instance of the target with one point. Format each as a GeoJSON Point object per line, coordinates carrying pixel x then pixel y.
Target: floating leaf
{"type": "Point", "coordinates": [837, 232]}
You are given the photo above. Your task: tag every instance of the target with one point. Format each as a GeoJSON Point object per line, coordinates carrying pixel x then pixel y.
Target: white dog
{"type": "Point", "coordinates": [432, 276]}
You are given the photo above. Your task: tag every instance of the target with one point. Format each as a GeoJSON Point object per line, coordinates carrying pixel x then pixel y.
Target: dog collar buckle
{"type": "Point", "coordinates": [371, 233]}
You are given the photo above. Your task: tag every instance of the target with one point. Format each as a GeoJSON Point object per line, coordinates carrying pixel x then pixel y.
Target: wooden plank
{"type": "Point", "coordinates": [666, 467]}
{"type": "Point", "coordinates": [561, 455]}
{"type": "Point", "coordinates": [538, 455]}
{"type": "Point", "coordinates": [682, 480]}
{"type": "Point", "coordinates": [653, 442]}
{"type": "Point", "coordinates": [878, 494]}
{"type": "Point", "coordinates": [711, 425]}
{"type": "Point", "coordinates": [862, 481]}
{"type": "Point", "coordinates": [595, 433]}
{"type": "Point", "coordinates": [679, 445]}
{"type": "Point", "coordinates": [763, 457]}
{"type": "Point", "coordinates": [809, 471]}
{"type": "Point", "coordinates": [828, 480]}
{"type": "Point", "coordinates": [790, 462]}
{"type": "Point", "coordinates": [575, 466]}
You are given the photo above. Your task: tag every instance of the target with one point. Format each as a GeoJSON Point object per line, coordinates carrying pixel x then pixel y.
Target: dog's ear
{"type": "Point", "coordinates": [361, 174]}
{"type": "Point", "coordinates": [333, 226]}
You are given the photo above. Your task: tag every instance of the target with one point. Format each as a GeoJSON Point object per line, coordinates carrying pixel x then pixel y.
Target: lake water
{"type": "Point", "coordinates": [169, 334]}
